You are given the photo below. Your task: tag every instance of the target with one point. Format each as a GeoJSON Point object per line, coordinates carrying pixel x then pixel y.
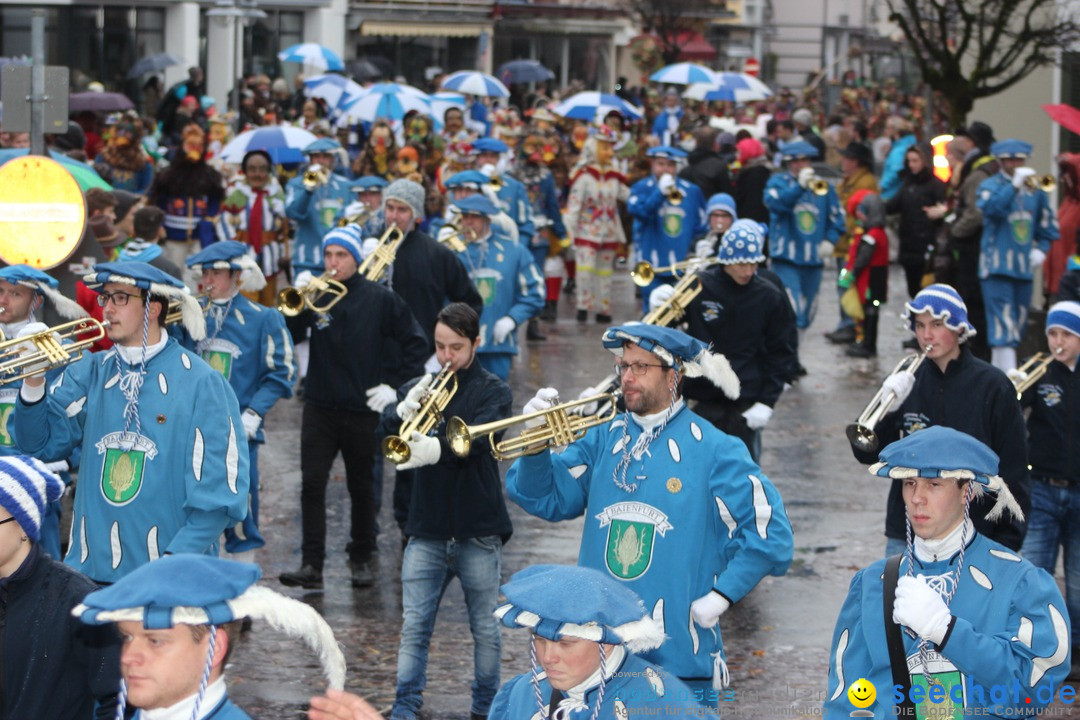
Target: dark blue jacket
{"type": "Point", "coordinates": [1054, 424]}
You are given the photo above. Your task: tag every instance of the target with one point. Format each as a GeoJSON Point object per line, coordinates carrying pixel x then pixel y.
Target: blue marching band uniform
{"type": "Point", "coordinates": [315, 211]}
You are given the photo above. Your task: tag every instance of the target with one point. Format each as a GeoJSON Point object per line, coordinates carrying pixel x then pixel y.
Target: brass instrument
{"type": "Point", "coordinates": [358, 219]}
{"type": "Point", "coordinates": [292, 301]}
{"type": "Point", "coordinates": [1046, 183]}
{"type": "Point", "coordinates": [174, 313]}
{"type": "Point", "coordinates": [644, 273]}
{"type": "Point", "coordinates": [561, 427]}
{"type": "Point", "coordinates": [49, 351]}
{"type": "Point", "coordinates": [819, 186]}
{"type": "Point", "coordinates": [460, 239]}
{"type": "Point", "coordinates": [496, 183]}
{"type": "Point", "coordinates": [675, 197]}
{"type": "Point", "coordinates": [313, 178]}
{"type": "Point", "coordinates": [382, 257]}
{"type": "Point", "coordinates": [395, 448]}
{"type": "Point", "coordinates": [1035, 367]}
{"type": "Point", "coordinates": [688, 288]}
{"type": "Point", "coordinates": [861, 432]}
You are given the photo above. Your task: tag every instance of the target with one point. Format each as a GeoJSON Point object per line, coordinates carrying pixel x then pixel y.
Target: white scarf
{"type": "Point", "coordinates": [215, 693]}
{"type": "Point", "coordinates": [574, 698]}
{"type": "Point", "coordinates": [946, 547]}
{"type": "Point", "coordinates": [131, 353]}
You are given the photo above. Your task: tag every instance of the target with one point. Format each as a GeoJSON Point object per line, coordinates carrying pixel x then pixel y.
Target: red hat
{"type": "Point", "coordinates": [748, 149]}
{"type": "Point", "coordinates": [855, 199]}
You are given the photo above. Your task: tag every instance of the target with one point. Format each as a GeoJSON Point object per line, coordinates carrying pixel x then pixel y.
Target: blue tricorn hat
{"type": "Point", "coordinates": [156, 282]}
{"type": "Point", "coordinates": [798, 149]}
{"type": "Point", "coordinates": [488, 145]}
{"type": "Point", "coordinates": [368, 182]}
{"type": "Point", "coordinates": [231, 255]}
{"type": "Point", "coordinates": [677, 349]}
{"type": "Point", "coordinates": [666, 151]}
{"type": "Point", "coordinates": [467, 177]}
{"type": "Point", "coordinates": [45, 284]}
{"type": "Point", "coordinates": [476, 205]}
{"type": "Point", "coordinates": [1011, 148]}
{"type": "Point", "coordinates": [568, 601]}
{"type": "Point", "coordinates": [324, 145]}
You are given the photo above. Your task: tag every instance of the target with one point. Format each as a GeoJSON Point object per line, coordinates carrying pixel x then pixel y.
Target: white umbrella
{"type": "Point", "coordinates": [336, 90]}
{"type": "Point", "coordinates": [685, 73]}
{"type": "Point", "coordinates": [472, 82]}
{"type": "Point", "coordinates": [312, 54]}
{"type": "Point", "coordinates": [390, 101]}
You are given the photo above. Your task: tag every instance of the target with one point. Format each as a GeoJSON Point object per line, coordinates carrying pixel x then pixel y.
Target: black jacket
{"type": "Point", "coordinates": [749, 326]}
{"type": "Point", "coordinates": [917, 232]}
{"type": "Point", "coordinates": [708, 171]}
{"type": "Point", "coordinates": [1054, 424]}
{"type": "Point", "coordinates": [750, 192]}
{"type": "Point", "coordinates": [54, 666]}
{"type": "Point", "coordinates": [429, 276]}
{"type": "Point", "coordinates": [348, 348]}
{"type": "Point", "coordinates": [459, 498]}
{"type": "Point", "coordinates": [974, 397]}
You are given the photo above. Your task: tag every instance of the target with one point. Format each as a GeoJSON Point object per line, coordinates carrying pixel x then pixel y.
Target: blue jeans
{"type": "Point", "coordinates": [1052, 523]}
{"type": "Point", "coordinates": [426, 570]}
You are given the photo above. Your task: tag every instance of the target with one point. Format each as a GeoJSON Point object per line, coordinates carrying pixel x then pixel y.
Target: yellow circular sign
{"type": "Point", "coordinates": [42, 212]}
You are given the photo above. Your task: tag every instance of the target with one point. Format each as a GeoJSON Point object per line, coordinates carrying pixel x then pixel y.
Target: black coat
{"type": "Point", "coordinates": [917, 232]}
{"type": "Point", "coordinates": [349, 351]}
{"type": "Point", "coordinates": [750, 192]}
{"type": "Point", "coordinates": [708, 171]}
{"type": "Point", "coordinates": [1054, 424]}
{"type": "Point", "coordinates": [54, 666]}
{"type": "Point", "coordinates": [461, 497]}
{"type": "Point", "coordinates": [974, 397]}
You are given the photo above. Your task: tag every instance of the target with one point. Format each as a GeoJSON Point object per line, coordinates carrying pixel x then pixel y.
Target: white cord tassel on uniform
{"type": "Point", "coordinates": [67, 309]}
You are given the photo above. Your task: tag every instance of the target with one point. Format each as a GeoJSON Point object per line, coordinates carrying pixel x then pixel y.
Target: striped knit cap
{"type": "Point", "coordinates": [26, 486]}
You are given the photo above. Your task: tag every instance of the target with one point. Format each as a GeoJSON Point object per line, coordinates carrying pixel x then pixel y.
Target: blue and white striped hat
{"type": "Point", "coordinates": [744, 242]}
{"type": "Point", "coordinates": [349, 237]}
{"type": "Point", "coordinates": [26, 486]}
{"type": "Point", "coordinates": [943, 303]}
{"type": "Point", "coordinates": [1064, 315]}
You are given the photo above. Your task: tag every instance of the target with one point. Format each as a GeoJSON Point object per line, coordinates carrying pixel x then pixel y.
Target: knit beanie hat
{"type": "Point", "coordinates": [722, 202]}
{"type": "Point", "coordinates": [943, 303]}
{"type": "Point", "coordinates": [26, 486]}
{"type": "Point", "coordinates": [409, 192]}
{"type": "Point", "coordinates": [1064, 315]}
{"type": "Point", "coordinates": [744, 242]}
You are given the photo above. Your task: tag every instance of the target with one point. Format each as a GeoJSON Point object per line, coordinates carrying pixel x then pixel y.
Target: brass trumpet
{"type": "Point", "coordinates": [460, 239]}
{"type": "Point", "coordinates": [861, 432]}
{"type": "Point", "coordinates": [1035, 367]}
{"type": "Point", "coordinates": [688, 288]}
{"type": "Point", "coordinates": [561, 427]}
{"type": "Point", "coordinates": [395, 448]}
{"type": "Point", "coordinates": [496, 183]}
{"type": "Point", "coordinates": [382, 257]}
{"type": "Point", "coordinates": [174, 313]}
{"type": "Point", "coordinates": [358, 219]}
{"type": "Point", "coordinates": [644, 273]}
{"type": "Point", "coordinates": [292, 301]}
{"type": "Point", "coordinates": [676, 197]}
{"type": "Point", "coordinates": [819, 187]}
{"type": "Point", "coordinates": [1046, 183]}
{"type": "Point", "coordinates": [49, 351]}
{"type": "Point", "coordinates": [314, 178]}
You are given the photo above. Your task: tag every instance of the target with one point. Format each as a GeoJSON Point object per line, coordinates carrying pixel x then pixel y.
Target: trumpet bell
{"type": "Point", "coordinates": [643, 274]}
{"type": "Point", "coordinates": [1046, 183]}
{"type": "Point", "coordinates": [675, 197]}
{"type": "Point", "coordinates": [861, 433]}
{"type": "Point", "coordinates": [395, 449]}
{"type": "Point", "coordinates": [290, 302]}
{"type": "Point", "coordinates": [862, 438]}
{"type": "Point", "coordinates": [819, 187]}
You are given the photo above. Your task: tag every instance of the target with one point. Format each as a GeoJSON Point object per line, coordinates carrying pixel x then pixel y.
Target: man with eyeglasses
{"type": "Point", "coordinates": [675, 508]}
{"type": "Point", "coordinates": [164, 454]}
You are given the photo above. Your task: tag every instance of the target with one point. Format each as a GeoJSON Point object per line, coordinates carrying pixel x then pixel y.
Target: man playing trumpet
{"type": "Point", "coordinates": [957, 390]}
{"type": "Point", "coordinates": [676, 508]}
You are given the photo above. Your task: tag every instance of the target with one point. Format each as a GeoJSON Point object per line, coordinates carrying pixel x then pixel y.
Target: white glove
{"type": "Point", "coordinates": [433, 365]}
{"type": "Point", "coordinates": [57, 467]}
{"type": "Point", "coordinates": [704, 248]}
{"type": "Point", "coordinates": [900, 384]}
{"type": "Point", "coordinates": [368, 246]}
{"type": "Point", "coordinates": [488, 170]}
{"type": "Point", "coordinates": [544, 398]}
{"type": "Point", "coordinates": [503, 327]}
{"type": "Point", "coordinates": [805, 176]}
{"type": "Point", "coordinates": [1037, 257]}
{"type": "Point", "coordinates": [28, 349]}
{"type": "Point", "coordinates": [592, 407]}
{"type": "Point", "coordinates": [354, 208]}
{"type": "Point", "coordinates": [423, 450]}
{"type": "Point", "coordinates": [758, 416]}
{"type": "Point", "coordinates": [251, 421]}
{"type": "Point", "coordinates": [666, 183]}
{"type": "Point", "coordinates": [445, 233]}
{"type": "Point", "coordinates": [825, 249]}
{"type": "Point", "coordinates": [1016, 375]}
{"type": "Point", "coordinates": [919, 607]}
{"type": "Point", "coordinates": [1020, 176]}
{"type": "Point", "coordinates": [380, 396]}
{"type": "Point", "coordinates": [302, 279]}
{"type": "Point", "coordinates": [708, 608]}
{"type": "Point", "coordinates": [660, 295]}
{"type": "Point", "coordinates": [406, 409]}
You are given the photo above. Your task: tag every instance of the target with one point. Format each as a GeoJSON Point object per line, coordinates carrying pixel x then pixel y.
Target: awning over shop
{"type": "Point", "coordinates": [692, 46]}
{"type": "Point", "coordinates": [381, 27]}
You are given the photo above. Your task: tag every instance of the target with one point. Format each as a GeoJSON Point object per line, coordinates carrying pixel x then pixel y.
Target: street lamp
{"type": "Point", "coordinates": [242, 13]}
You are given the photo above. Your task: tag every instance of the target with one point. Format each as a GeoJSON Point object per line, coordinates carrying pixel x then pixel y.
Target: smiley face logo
{"type": "Point", "coordinates": [862, 693]}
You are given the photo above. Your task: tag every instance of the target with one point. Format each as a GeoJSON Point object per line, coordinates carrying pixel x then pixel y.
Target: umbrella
{"type": "Point", "coordinates": [685, 73]}
{"type": "Point", "coordinates": [1066, 116]}
{"type": "Point", "coordinates": [336, 90]}
{"type": "Point", "coordinates": [284, 144]}
{"type": "Point", "coordinates": [524, 71]}
{"type": "Point", "coordinates": [471, 82]}
{"type": "Point", "coordinates": [390, 101]}
{"type": "Point", "coordinates": [733, 86]}
{"type": "Point", "coordinates": [84, 175]}
{"type": "Point", "coordinates": [443, 101]}
{"type": "Point", "coordinates": [154, 63]}
{"type": "Point", "coordinates": [593, 105]}
{"type": "Point", "coordinates": [312, 54]}
{"type": "Point", "coordinates": [99, 102]}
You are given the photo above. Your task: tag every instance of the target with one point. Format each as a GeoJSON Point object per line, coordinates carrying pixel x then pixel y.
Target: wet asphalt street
{"type": "Point", "coordinates": [776, 639]}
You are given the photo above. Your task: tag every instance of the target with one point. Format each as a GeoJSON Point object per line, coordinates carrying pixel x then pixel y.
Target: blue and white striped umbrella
{"type": "Point", "coordinates": [389, 101]}
{"type": "Point", "coordinates": [471, 82]}
{"type": "Point", "coordinates": [685, 73]}
{"type": "Point", "coordinates": [336, 90]}
{"type": "Point", "coordinates": [733, 86]}
{"type": "Point", "coordinates": [592, 105]}
{"type": "Point", "coordinates": [284, 144]}
{"type": "Point", "coordinates": [312, 54]}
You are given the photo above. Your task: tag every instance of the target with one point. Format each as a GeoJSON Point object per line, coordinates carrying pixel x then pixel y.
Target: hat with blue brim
{"type": "Point", "coordinates": [476, 205]}
{"type": "Point", "coordinates": [568, 601]}
{"type": "Point", "coordinates": [943, 303]}
{"type": "Point", "coordinates": [46, 285]}
{"type": "Point", "coordinates": [488, 145]}
{"type": "Point", "coordinates": [322, 145]}
{"type": "Point", "coordinates": [156, 282]}
{"type": "Point", "coordinates": [691, 356]}
{"type": "Point", "coordinates": [666, 151]}
{"type": "Point", "coordinates": [1011, 148]}
{"type": "Point", "coordinates": [467, 178]}
{"type": "Point", "coordinates": [368, 183]}
{"type": "Point", "coordinates": [350, 237]}
{"type": "Point", "coordinates": [943, 452]}
{"type": "Point", "coordinates": [231, 255]}
{"type": "Point", "coordinates": [800, 149]}
{"type": "Point", "coordinates": [1064, 315]}
{"type": "Point", "coordinates": [744, 242]}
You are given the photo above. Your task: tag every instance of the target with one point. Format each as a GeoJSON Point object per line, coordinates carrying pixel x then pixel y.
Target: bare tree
{"type": "Point", "coordinates": [667, 18]}
{"type": "Point", "coordinates": [970, 49]}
